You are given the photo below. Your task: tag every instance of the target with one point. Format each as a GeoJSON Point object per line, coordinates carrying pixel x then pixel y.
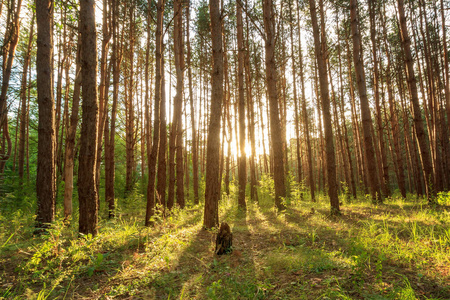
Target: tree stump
{"type": "Point", "coordinates": [224, 240]}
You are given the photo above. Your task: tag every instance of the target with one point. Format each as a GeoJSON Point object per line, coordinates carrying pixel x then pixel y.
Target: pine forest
{"type": "Point", "coordinates": [224, 149]}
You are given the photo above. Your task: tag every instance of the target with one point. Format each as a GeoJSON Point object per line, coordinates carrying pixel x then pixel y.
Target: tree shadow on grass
{"type": "Point", "coordinates": [199, 273]}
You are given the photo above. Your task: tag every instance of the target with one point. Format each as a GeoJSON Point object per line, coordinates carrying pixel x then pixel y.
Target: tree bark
{"type": "Point", "coordinates": [46, 173]}
{"type": "Point", "coordinates": [241, 108]}
{"type": "Point", "coordinates": [150, 211]}
{"type": "Point", "coordinates": [87, 192]}
{"type": "Point", "coordinates": [365, 109]}
{"type": "Point", "coordinates": [417, 114]}
{"type": "Point", "coordinates": [324, 93]}
{"type": "Point", "coordinates": [23, 109]}
{"type": "Point", "coordinates": [274, 120]}
{"type": "Point", "coordinates": [70, 140]}
{"type": "Point", "coordinates": [212, 190]}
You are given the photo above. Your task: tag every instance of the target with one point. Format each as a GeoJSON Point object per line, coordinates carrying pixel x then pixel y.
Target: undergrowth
{"type": "Point", "coordinates": [398, 250]}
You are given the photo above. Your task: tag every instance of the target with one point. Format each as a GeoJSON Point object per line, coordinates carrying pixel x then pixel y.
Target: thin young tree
{"type": "Point", "coordinates": [152, 158]}
{"type": "Point", "coordinates": [72, 123]}
{"type": "Point", "coordinates": [191, 102]}
{"type": "Point", "coordinates": [23, 97]}
{"type": "Point", "coordinates": [241, 108]}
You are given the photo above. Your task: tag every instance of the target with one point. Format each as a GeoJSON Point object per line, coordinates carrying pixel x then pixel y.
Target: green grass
{"type": "Point", "coordinates": [399, 250]}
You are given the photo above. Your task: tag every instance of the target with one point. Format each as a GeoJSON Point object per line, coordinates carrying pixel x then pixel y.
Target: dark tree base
{"type": "Point", "coordinates": [224, 240]}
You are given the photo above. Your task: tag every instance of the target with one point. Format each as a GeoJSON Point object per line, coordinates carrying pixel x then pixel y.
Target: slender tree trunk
{"type": "Point", "coordinates": [274, 120]}
{"type": "Point", "coordinates": [70, 139]}
{"type": "Point", "coordinates": [394, 119]}
{"type": "Point", "coordinates": [296, 106]}
{"type": "Point", "coordinates": [130, 114]}
{"type": "Point", "coordinates": [212, 191]}
{"type": "Point", "coordinates": [446, 68]}
{"type": "Point", "coordinates": [46, 173]}
{"type": "Point", "coordinates": [23, 109]}
{"type": "Point", "coordinates": [417, 114]}
{"type": "Point", "coordinates": [152, 158]}
{"type": "Point", "coordinates": [251, 119]}
{"type": "Point", "coordinates": [110, 158]}
{"type": "Point", "coordinates": [178, 100]}
{"type": "Point", "coordinates": [103, 91]}
{"type": "Point", "coordinates": [384, 170]}
{"type": "Point", "coordinates": [193, 116]}
{"type": "Point", "coordinates": [12, 39]}
{"type": "Point", "coordinates": [241, 108]}
{"type": "Point", "coordinates": [87, 193]}
{"type": "Point", "coordinates": [365, 109]}
{"type": "Point", "coordinates": [321, 58]}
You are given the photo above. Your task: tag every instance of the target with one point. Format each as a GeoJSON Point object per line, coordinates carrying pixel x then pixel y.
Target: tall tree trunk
{"type": "Point", "coordinates": [70, 139]}
{"type": "Point", "coordinates": [23, 109]}
{"type": "Point", "coordinates": [12, 39]}
{"type": "Point", "coordinates": [155, 144]}
{"type": "Point", "coordinates": [417, 114]}
{"type": "Point", "coordinates": [296, 106]}
{"type": "Point", "coordinates": [87, 193]}
{"type": "Point", "coordinates": [446, 68]}
{"type": "Point", "coordinates": [274, 120]}
{"type": "Point", "coordinates": [103, 91]}
{"type": "Point", "coordinates": [365, 109]}
{"type": "Point", "coordinates": [319, 47]}
{"type": "Point", "coordinates": [384, 170]}
{"type": "Point", "coordinates": [177, 125]}
{"type": "Point", "coordinates": [241, 108]}
{"type": "Point", "coordinates": [162, 158]}
{"type": "Point", "coordinates": [212, 190]}
{"type": "Point", "coordinates": [110, 157]}
{"type": "Point", "coordinates": [251, 119]}
{"type": "Point", "coordinates": [191, 102]}
{"type": "Point", "coordinates": [394, 118]}
{"type": "Point", "coordinates": [46, 173]}
{"type": "Point", "coordinates": [130, 115]}
{"type": "Point", "coordinates": [305, 115]}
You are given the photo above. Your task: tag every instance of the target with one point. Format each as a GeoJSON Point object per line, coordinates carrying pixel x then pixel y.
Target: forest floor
{"type": "Point", "coordinates": [398, 250]}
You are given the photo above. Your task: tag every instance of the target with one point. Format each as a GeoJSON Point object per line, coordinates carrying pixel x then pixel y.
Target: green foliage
{"type": "Point", "coordinates": [267, 187]}
{"type": "Point", "coordinates": [396, 251]}
{"type": "Point", "coordinates": [443, 198]}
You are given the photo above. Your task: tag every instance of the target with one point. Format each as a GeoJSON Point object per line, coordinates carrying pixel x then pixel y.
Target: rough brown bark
{"type": "Point", "coordinates": [176, 133]}
{"type": "Point", "coordinates": [152, 158]}
{"type": "Point", "coordinates": [394, 118]}
{"type": "Point", "coordinates": [212, 190]}
{"type": "Point", "coordinates": [162, 161]}
{"type": "Point", "coordinates": [274, 120]}
{"type": "Point", "coordinates": [369, 150]}
{"type": "Point", "coordinates": [382, 161]}
{"type": "Point", "coordinates": [417, 114]}
{"type": "Point", "coordinates": [116, 59]}
{"type": "Point", "coordinates": [87, 192]}
{"type": "Point", "coordinates": [70, 140]}
{"type": "Point", "coordinates": [129, 108]}
{"type": "Point", "coordinates": [324, 93]}
{"type": "Point", "coordinates": [241, 108]}
{"type": "Point", "coordinates": [46, 176]}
